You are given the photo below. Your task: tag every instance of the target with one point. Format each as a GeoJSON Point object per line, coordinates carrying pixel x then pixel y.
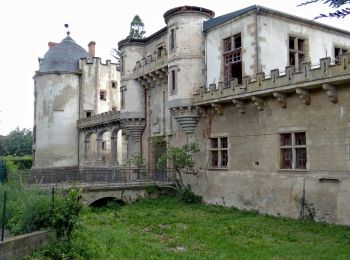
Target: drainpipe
{"type": "Point", "coordinates": [257, 40]}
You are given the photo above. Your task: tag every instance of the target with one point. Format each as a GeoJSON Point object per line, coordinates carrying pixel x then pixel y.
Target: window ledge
{"type": "Point", "coordinates": [217, 169]}
{"type": "Point", "coordinates": [294, 170]}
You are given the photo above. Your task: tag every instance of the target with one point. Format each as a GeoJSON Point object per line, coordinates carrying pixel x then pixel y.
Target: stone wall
{"type": "Point", "coordinates": [23, 245]}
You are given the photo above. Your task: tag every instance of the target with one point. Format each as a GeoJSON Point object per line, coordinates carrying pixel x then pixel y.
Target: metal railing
{"type": "Point", "coordinates": [97, 176]}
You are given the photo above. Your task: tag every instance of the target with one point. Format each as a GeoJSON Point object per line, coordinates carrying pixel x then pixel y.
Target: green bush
{"type": "Point", "coordinates": [186, 195]}
{"type": "Point", "coordinates": [14, 163]}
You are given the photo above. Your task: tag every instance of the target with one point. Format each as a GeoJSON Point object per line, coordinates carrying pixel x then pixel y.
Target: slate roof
{"type": "Point", "coordinates": [63, 57]}
{"type": "Point", "coordinates": [207, 25]}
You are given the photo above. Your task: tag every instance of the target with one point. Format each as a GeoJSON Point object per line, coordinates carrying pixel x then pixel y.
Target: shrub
{"type": "Point", "coordinates": [186, 195]}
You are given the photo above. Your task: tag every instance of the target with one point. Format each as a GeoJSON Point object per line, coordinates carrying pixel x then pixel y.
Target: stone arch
{"type": "Point", "coordinates": [103, 151]}
{"type": "Point", "coordinates": [103, 201]}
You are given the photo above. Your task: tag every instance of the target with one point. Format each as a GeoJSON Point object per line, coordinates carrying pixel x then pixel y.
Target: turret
{"type": "Point", "coordinates": [132, 107]}
{"type": "Point", "coordinates": [185, 61]}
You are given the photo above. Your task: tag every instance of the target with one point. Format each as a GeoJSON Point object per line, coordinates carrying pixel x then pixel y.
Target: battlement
{"type": "Point", "coordinates": [327, 76]}
{"type": "Point", "coordinates": [151, 63]}
{"type": "Point", "coordinates": [97, 61]}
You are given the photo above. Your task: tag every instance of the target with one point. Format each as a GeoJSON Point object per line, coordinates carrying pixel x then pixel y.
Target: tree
{"type": "Point", "coordinates": [137, 28]}
{"type": "Point", "coordinates": [181, 159]}
{"type": "Point", "coordinates": [115, 53]}
{"type": "Point", "coordinates": [17, 143]}
{"type": "Point", "coordinates": [339, 13]}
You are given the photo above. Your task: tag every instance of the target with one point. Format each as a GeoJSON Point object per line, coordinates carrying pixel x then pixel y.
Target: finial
{"type": "Point", "coordinates": [67, 26]}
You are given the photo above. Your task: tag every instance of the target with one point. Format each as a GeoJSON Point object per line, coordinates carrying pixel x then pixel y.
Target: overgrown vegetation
{"type": "Point", "coordinates": [17, 143]}
{"type": "Point", "coordinates": [17, 163]}
{"type": "Point", "coordinates": [181, 159]}
{"type": "Point", "coordinates": [167, 229]}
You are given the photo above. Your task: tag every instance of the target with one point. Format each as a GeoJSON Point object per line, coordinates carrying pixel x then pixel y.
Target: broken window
{"type": "Point", "coordinates": [103, 95]}
{"type": "Point", "coordinates": [172, 39]}
{"type": "Point", "coordinates": [338, 52]}
{"type": "Point", "coordinates": [293, 150]}
{"type": "Point", "coordinates": [219, 152]}
{"type": "Point", "coordinates": [233, 59]}
{"type": "Point", "coordinates": [297, 51]}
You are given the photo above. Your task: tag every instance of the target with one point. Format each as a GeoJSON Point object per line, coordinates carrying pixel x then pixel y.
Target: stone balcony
{"type": "Point", "coordinates": [100, 120]}
{"type": "Point", "coordinates": [152, 70]}
{"type": "Point", "coordinates": [300, 82]}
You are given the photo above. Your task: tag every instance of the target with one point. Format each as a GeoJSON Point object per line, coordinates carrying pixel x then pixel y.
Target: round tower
{"type": "Point", "coordinates": [185, 61]}
{"type": "Point", "coordinates": [56, 108]}
{"type": "Point", "coordinates": [132, 104]}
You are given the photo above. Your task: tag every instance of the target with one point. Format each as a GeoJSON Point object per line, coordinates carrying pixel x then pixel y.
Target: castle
{"type": "Point", "coordinates": [265, 95]}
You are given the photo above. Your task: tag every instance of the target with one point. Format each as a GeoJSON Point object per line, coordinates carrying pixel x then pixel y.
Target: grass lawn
{"type": "Point", "coordinates": [168, 229]}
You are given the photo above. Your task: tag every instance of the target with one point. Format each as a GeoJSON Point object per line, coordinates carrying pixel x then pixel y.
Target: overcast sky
{"type": "Point", "coordinates": [27, 26]}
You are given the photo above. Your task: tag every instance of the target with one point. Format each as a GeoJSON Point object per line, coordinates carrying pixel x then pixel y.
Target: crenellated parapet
{"type": "Point", "coordinates": [327, 76]}
{"type": "Point", "coordinates": [96, 61]}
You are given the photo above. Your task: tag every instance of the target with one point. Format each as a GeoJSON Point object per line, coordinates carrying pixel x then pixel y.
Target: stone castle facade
{"type": "Point", "coordinates": [264, 94]}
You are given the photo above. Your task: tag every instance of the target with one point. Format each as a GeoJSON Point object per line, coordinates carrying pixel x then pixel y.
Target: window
{"type": "Point", "coordinates": [293, 150]}
{"type": "Point", "coordinates": [122, 97]}
{"type": "Point", "coordinates": [338, 52]}
{"type": "Point", "coordinates": [218, 152]}
{"type": "Point", "coordinates": [297, 51]}
{"type": "Point", "coordinates": [159, 51]}
{"type": "Point", "coordinates": [232, 59]}
{"type": "Point", "coordinates": [102, 95]}
{"type": "Point", "coordinates": [104, 145]}
{"type": "Point", "coordinates": [88, 113]}
{"type": "Point", "coordinates": [114, 84]}
{"type": "Point", "coordinates": [173, 82]}
{"type": "Point", "coordinates": [172, 39]}
{"type": "Point", "coordinates": [122, 63]}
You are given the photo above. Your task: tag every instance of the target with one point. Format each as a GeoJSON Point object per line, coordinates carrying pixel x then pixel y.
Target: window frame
{"type": "Point", "coordinates": [296, 52]}
{"type": "Point", "coordinates": [293, 147]}
{"type": "Point", "coordinates": [342, 50]}
{"type": "Point", "coordinates": [122, 97]}
{"type": "Point", "coordinates": [220, 151]}
{"type": "Point", "coordinates": [103, 95]}
{"type": "Point", "coordinates": [232, 56]}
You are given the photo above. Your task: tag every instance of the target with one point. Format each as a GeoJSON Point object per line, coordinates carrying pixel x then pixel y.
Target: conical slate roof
{"type": "Point", "coordinates": [63, 57]}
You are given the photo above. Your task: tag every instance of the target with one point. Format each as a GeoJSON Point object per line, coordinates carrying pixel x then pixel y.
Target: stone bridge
{"type": "Point", "coordinates": [125, 185]}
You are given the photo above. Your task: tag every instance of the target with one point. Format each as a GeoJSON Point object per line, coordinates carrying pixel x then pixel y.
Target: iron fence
{"type": "Point", "coordinates": [95, 176]}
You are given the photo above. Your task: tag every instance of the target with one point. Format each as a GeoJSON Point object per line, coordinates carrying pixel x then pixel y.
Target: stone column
{"type": "Point", "coordinates": [99, 158]}
{"type": "Point", "coordinates": [87, 155]}
{"type": "Point", "coordinates": [114, 151]}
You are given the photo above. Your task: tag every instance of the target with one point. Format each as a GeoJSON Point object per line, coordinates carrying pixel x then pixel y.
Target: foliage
{"type": "Point", "coordinates": [137, 28]}
{"type": "Point", "coordinates": [181, 158]}
{"type": "Point", "coordinates": [116, 54]}
{"type": "Point", "coordinates": [17, 143]}
{"type": "Point", "coordinates": [27, 209]}
{"type": "Point", "coordinates": [167, 229]}
{"type": "Point", "coordinates": [66, 212]}
{"type": "Point", "coordinates": [186, 195]}
{"type": "Point", "coordinates": [18, 163]}
{"type": "Point", "coordinates": [156, 140]}
{"type": "Point", "coordinates": [340, 13]}
{"type": "Point", "coordinates": [137, 160]}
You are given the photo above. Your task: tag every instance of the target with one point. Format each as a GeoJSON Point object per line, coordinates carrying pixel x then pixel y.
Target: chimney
{"type": "Point", "coordinates": [51, 44]}
{"type": "Point", "coordinates": [91, 46]}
